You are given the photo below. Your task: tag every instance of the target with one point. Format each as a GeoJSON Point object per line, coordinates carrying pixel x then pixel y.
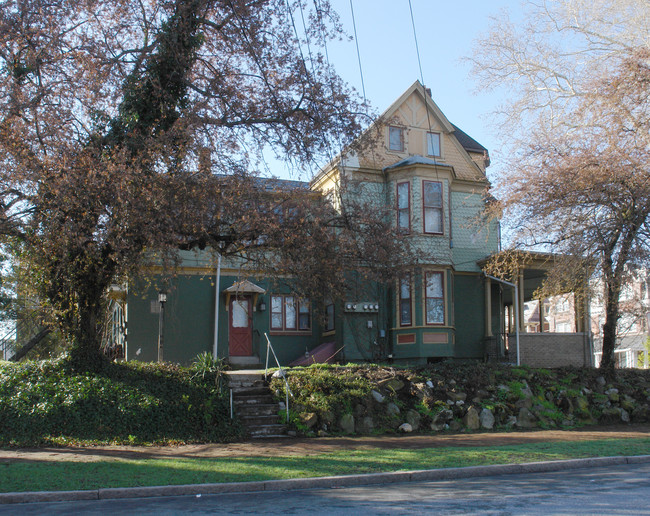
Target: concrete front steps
{"type": "Point", "coordinates": [254, 405]}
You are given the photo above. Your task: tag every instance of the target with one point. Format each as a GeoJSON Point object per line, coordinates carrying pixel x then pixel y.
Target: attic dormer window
{"type": "Point", "coordinates": [433, 144]}
{"type": "Point", "coordinates": [396, 138]}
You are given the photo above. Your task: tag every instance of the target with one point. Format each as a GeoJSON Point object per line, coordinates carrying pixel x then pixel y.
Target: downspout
{"type": "Point", "coordinates": [516, 309]}
{"type": "Point", "coordinates": [388, 290]}
{"type": "Point", "coordinates": [215, 345]}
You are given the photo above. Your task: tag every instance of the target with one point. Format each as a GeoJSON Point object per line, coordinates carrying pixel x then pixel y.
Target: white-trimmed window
{"type": "Point", "coordinates": [329, 315]}
{"type": "Point", "coordinates": [434, 300]}
{"type": "Point", "coordinates": [396, 138]}
{"type": "Point", "coordinates": [289, 314]}
{"type": "Point", "coordinates": [433, 145]}
{"type": "Point", "coordinates": [304, 315]}
{"type": "Point", "coordinates": [404, 207]}
{"type": "Point", "coordinates": [432, 207]}
{"type": "Point", "coordinates": [405, 306]}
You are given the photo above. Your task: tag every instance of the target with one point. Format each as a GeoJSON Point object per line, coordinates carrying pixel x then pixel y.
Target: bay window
{"type": "Point", "coordinates": [403, 207]}
{"type": "Point", "coordinates": [432, 206]}
{"type": "Point", "coordinates": [405, 310]}
{"type": "Point", "coordinates": [434, 304]}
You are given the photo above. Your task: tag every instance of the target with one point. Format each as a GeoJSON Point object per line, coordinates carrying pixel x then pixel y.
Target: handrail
{"type": "Point", "coordinates": [9, 344]}
{"type": "Point", "coordinates": [282, 373]}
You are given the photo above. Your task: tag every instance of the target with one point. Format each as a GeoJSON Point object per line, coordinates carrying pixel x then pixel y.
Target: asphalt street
{"type": "Point", "coordinates": [622, 489]}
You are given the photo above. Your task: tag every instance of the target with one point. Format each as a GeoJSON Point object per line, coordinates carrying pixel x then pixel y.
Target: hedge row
{"type": "Point", "coordinates": [48, 402]}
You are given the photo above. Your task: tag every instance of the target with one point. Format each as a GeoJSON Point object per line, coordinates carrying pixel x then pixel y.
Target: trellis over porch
{"type": "Point", "coordinates": [543, 348]}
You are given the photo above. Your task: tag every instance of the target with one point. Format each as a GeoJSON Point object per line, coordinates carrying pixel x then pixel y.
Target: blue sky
{"type": "Point", "coordinates": [445, 31]}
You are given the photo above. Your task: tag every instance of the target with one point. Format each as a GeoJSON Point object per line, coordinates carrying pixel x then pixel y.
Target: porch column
{"type": "Point", "coordinates": [579, 311]}
{"type": "Point", "coordinates": [488, 307]}
{"type": "Point", "coordinates": [520, 282]}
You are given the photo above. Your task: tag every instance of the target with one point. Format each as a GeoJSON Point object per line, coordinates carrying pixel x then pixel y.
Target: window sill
{"type": "Point", "coordinates": [288, 333]}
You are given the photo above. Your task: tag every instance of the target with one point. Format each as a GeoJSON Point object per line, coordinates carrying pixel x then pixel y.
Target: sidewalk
{"type": "Point", "coordinates": [317, 446]}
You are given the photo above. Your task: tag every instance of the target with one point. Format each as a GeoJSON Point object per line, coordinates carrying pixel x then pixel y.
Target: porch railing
{"type": "Point", "coordinates": [283, 375]}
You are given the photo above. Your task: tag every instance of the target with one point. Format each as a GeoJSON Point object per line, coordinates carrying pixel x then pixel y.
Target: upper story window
{"type": "Point", "coordinates": [404, 207]}
{"type": "Point", "coordinates": [562, 305]}
{"type": "Point", "coordinates": [290, 314]}
{"type": "Point", "coordinates": [433, 144]}
{"type": "Point", "coordinates": [432, 206]}
{"type": "Point", "coordinates": [434, 305]}
{"type": "Point", "coordinates": [405, 311]}
{"type": "Point", "coordinates": [396, 138]}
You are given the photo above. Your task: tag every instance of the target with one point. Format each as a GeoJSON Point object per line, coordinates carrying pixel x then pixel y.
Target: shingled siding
{"type": "Point", "coordinates": [471, 242]}
{"type": "Point", "coordinates": [553, 349]}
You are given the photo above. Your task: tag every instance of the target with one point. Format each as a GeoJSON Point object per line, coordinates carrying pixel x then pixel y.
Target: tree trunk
{"type": "Point", "coordinates": [612, 292]}
{"type": "Point", "coordinates": [86, 353]}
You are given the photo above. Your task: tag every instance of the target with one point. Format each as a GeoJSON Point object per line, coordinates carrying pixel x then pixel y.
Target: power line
{"type": "Point", "coordinates": [356, 40]}
{"type": "Point", "coordinates": [417, 52]}
{"type": "Point", "coordinates": [311, 59]}
{"type": "Point", "coordinates": [415, 37]}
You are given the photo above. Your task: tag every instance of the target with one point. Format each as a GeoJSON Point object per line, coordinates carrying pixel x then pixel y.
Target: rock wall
{"type": "Point", "coordinates": [456, 398]}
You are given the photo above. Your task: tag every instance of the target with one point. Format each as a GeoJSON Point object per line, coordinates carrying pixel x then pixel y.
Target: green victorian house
{"type": "Point", "coordinates": [433, 174]}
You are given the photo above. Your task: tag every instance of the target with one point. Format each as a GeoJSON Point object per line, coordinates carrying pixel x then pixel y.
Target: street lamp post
{"type": "Point", "coordinates": [162, 298]}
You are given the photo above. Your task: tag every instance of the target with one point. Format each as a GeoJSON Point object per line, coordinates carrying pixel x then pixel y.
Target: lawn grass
{"type": "Point", "coordinates": [54, 476]}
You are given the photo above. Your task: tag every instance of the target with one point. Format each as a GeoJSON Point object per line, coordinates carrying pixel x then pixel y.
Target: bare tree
{"type": "Point", "coordinates": [578, 177]}
{"type": "Point", "coordinates": [554, 56]}
{"type": "Point", "coordinates": [132, 126]}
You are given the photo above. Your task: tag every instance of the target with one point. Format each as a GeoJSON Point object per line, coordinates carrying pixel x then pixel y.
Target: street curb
{"type": "Point", "coordinates": [319, 482]}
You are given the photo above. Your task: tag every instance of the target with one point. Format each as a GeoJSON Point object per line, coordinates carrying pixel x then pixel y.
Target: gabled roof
{"type": "Point", "coordinates": [459, 138]}
{"type": "Point", "coordinates": [418, 88]}
{"type": "Point", "coordinates": [468, 143]}
{"type": "Point", "coordinates": [244, 287]}
{"type": "Point", "coordinates": [275, 184]}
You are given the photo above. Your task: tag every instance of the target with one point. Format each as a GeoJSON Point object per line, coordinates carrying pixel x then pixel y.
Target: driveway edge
{"type": "Point", "coordinates": [319, 482]}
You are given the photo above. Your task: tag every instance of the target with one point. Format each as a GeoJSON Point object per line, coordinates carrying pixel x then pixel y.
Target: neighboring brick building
{"type": "Point", "coordinates": [633, 330]}
{"type": "Point", "coordinates": [633, 337]}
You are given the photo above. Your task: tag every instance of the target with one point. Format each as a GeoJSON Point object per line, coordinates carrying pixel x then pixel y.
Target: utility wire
{"type": "Point", "coordinates": [311, 60]}
{"type": "Point", "coordinates": [417, 52]}
{"type": "Point", "coordinates": [426, 109]}
{"type": "Point", "coordinates": [356, 40]}
{"type": "Point", "coordinates": [319, 16]}
{"type": "Point", "coordinates": [415, 37]}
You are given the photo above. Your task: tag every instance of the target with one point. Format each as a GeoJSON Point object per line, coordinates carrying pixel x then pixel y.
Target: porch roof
{"type": "Point", "coordinates": [244, 287]}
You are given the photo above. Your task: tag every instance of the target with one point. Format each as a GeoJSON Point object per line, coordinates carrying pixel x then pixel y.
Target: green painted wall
{"type": "Point", "coordinates": [188, 327]}
{"type": "Point", "coordinates": [189, 322]}
{"type": "Point", "coordinates": [469, 300]}
{"type": "Point", "coordinates": [190, 309]}
{"type": "Point", "coordinates": [361, 342]}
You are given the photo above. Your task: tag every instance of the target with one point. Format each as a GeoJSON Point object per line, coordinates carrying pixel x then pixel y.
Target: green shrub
{"type": "Point", "coordinates": [521, 372]}
{"type": "Point", "coordinates": [516, 388]}
{"type": "Point", "coordinates": [48, 403]}
{"type": "Point", "coordinates": [319, 390]}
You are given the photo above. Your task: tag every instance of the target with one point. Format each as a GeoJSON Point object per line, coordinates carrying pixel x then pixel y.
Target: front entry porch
{"type": "Point", "coordinates": [522, 328]}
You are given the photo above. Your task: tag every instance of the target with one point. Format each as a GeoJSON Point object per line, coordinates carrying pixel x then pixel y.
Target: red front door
{"type": "Point", "coordinates": [240, 336]}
